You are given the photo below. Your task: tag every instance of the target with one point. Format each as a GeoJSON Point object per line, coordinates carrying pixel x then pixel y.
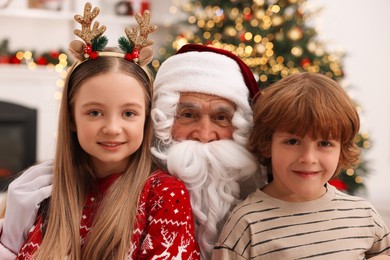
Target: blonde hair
{"type": "Point", "coordinates": [305, 103]}
{"type": "Point", "coordinates": [111, 232]}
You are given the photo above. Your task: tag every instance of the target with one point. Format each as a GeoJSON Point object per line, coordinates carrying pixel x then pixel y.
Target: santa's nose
{"type": "Point", "coordinates": [205, 131]}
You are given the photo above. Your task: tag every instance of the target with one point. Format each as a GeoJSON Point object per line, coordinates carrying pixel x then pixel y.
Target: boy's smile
{"type": "Point", "coordinates": [301, 166]}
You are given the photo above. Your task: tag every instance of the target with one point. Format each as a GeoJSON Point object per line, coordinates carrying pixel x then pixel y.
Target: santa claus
{"type": "Point", "coordinates": [202, 117]}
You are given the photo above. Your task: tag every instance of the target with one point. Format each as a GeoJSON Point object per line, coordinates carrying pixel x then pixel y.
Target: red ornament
{"type": "Point", "coordinates": [128, 56]}
{"type": "Point", "coordinates": [305, 62]}
{"type": "Point", "coordinates": [242, 37]}
{"type": "Point", "coordinates": [135, 54]}
{"type": "Point", "coordinates": [4, 59]}
{"type": "Point", "coordinates": [248, 16]}
{"type": "Point", "coordinates": [339, 184]}
{"type": "Point", "coordinates": [88, 49]}
{"type": "Point", "coordinates": [54, 54]}
{"type": "Point", "coordinates": [41, 61]}
{"type": "Point", "coordinates": [14, 60]}
{"type": "Point", "coordinates": [93, 55]}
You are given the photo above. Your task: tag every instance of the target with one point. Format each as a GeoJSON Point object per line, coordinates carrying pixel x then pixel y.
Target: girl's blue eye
{"type": "Point", "coordinates": [128, 114]}
{"type": "Point", "coordinates": [94, 113]}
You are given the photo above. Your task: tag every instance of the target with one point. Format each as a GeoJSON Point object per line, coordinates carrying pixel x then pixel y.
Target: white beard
{"type": "Point", "coordinates": [211, 172]}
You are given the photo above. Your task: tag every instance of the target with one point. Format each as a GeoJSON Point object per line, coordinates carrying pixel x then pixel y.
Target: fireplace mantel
{"type": "Point", "coordinates": [34, 89]}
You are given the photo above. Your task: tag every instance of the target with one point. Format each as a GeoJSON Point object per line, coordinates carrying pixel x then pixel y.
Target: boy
{"type": "Point", "coordinates": [304, 129]}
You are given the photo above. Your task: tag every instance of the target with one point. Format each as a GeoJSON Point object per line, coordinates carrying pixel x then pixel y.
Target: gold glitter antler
{"type": "Point", "coordinates": [86, 33]}
{"type": "Point", "coordinates": [140, 39]}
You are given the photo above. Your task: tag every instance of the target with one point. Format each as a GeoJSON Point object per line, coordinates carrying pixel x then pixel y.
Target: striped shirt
{"type": "Point", "coordinates": [335, 226]}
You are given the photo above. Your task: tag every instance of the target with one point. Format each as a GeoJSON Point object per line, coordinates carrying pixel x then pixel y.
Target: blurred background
{"type": "Point", "coordinates": [346, 40]}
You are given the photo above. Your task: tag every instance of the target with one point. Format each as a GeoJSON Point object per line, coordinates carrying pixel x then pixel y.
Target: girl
{"type": "Point", "coordinates": [304, 130]}
{"type": "Point", "coordinates": [104, 203]}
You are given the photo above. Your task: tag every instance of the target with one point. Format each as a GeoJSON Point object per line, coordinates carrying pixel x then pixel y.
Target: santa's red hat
{"type": "Point", "coordinates": [204, 69]}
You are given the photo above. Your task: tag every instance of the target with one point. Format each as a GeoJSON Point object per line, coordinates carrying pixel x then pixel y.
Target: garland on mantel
{"type": "Point", "coordinates": [58, 58]}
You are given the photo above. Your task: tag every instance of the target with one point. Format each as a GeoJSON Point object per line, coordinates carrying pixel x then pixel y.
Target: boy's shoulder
{"type": "Point", "coordinates": [253, 201]}
{"type": "Point", "coordinates": [341, 196]}
{"type": "Point", "coordinates": [347, 201]}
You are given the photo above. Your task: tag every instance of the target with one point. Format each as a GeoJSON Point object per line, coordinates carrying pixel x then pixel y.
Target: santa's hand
{"type": "Point", "coordinates": [24, 196]}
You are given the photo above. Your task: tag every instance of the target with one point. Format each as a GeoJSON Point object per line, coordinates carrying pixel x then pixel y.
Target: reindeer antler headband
{"type": "Point", "coordinates": [137, 47]}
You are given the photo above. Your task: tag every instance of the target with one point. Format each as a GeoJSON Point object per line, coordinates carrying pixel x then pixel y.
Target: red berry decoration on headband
{"type": "Point", "coordinates": [129, 57]}
{"type": "Point", "coordinates": [135, 54]}
{"type": "Point", "coordinates": [88, 49]}
{"type": "Point", "coordinates": [93, 55]}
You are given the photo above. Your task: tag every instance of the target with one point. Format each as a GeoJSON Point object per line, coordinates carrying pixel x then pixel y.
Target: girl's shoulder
{"type": "Point", "coordinates": [163, 191]}
{"type": "Point", "coordinates": [159, 177]}
{"type": "Point", "coordinates": [161, 181]}
{"type": "Point", "coordinates": [160, 173]}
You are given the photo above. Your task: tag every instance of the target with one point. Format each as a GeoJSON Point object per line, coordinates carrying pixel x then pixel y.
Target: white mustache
{"type": "Point", "coordinates": [231, 161]}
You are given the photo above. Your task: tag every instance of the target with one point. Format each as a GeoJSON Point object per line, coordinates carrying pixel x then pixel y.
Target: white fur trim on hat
{"type": "Point", "coordinates": [203, 72]}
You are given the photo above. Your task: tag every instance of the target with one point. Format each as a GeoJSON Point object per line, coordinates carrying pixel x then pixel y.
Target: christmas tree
{"type": "Point", "coordinates": [274, 38]}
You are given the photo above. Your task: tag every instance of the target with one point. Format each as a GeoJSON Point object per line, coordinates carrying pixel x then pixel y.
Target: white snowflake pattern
{"type": "Point", "coordinates": [141, 209]}
{"type": "Point", "coordinates": [158, 203]}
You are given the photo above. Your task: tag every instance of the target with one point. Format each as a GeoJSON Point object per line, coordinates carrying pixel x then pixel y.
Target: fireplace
{"type": "Point", "coordinates": [18, 140]}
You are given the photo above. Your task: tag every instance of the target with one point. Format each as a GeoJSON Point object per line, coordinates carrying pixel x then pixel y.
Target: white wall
{"type": "Point", "coordinates": [361, 30]}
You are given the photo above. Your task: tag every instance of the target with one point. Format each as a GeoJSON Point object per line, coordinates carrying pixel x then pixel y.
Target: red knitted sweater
{"type": "Point", "coordinates": [164, 228]}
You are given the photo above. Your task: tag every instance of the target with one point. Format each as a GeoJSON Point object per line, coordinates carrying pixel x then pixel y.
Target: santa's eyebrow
{"type": "Point", "coordinates": [186, 105]}
{"type": "Point", "coordinates": [223, 109]}
{"type": "Point", "coordinates": [219, 108]}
